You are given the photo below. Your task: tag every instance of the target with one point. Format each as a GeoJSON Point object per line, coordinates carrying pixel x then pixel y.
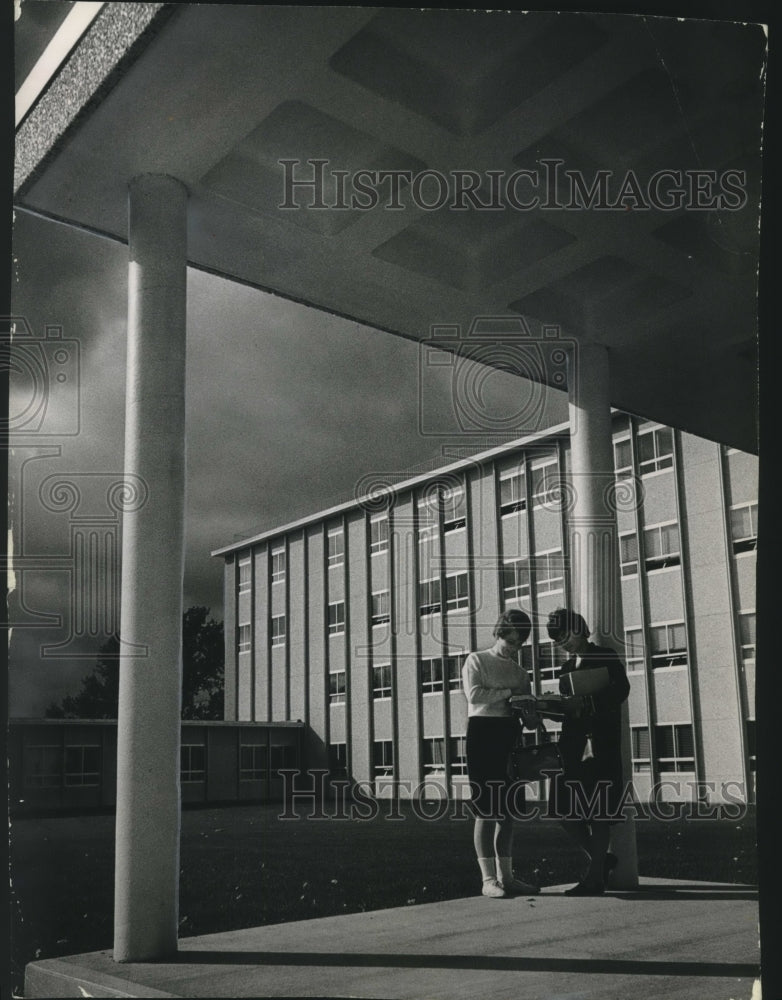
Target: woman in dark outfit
{"type": "Point", "coordinates": [590, 743]}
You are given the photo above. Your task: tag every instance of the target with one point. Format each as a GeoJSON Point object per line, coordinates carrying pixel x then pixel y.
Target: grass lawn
{"type": "Point", "coordinates": [242, 866]}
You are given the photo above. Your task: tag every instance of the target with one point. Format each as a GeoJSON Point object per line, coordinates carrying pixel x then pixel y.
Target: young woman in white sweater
{"type": "Point", "coordinates": [490, 678]}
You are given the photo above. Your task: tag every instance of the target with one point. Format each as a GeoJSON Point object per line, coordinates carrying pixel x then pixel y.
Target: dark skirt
{"type": "Point", "coordinates": [489, 742]}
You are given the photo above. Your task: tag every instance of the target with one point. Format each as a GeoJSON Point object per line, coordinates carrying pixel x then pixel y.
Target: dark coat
{"type": "Point", "coordinates": [601, 721]}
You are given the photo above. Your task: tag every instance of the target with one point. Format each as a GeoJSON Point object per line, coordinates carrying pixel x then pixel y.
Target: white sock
{"type": "Point", "coordinates": [504, 870]}
{"type": "Point", "coordinates": [488, 871]}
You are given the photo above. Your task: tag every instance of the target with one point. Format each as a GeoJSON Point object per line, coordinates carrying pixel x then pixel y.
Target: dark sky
{"type": "Point", "coordinates": [288, 409]}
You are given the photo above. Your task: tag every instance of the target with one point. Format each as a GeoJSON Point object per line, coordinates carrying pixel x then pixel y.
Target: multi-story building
{"type": "Point", "coordinates": [356, 620]}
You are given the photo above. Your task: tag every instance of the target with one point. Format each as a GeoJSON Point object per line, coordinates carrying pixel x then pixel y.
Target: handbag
{"type": "Point", "coordinates": [534, 762]}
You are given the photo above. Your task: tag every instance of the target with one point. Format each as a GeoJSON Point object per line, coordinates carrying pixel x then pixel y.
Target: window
{"type": "Point", "coordinates": [752, 744]}
{"type": "Point", "coordinates": [634, 650]}
{"type": "Point", "coordinates": [381, 608]}
{"type": "Point", "coordinates": [43, 766]}
{"type": "Point", "coordinates": [431, 676]}
{"type": "Point", "coordinates": [429, 597]}
{"type": "Point", "coordinates": [82, 765]}
{"type": "Point", "coordinates": [433, 755]}
{"type": "Point", "coordinates": [744, 527]}
{"type": "Point", "coordinates": [282, 755]}
{"type": "Point", "coordinates": [515, 580]}
{"type": "Point", "coordinates": [662, 546]}
{"type": "Point", "coordinates": [623, 458]}
{"type": "Point", "coordinates": [337, 618]}
{"type": "Point", "coordinates": [192, 765]}
{"type": "Point", "coordinates": [674, 747]}
{"type": "Point", "coordinates": [655, 450]}
{"type": "Point", "coordinates": [544, 483]}
{"type": "Point", "coordinates": [454, 505]}
{"type": "Point", "coordinates": [669, 645]}
{"type": "Point", "coordinates": [337, 687]}
{"type": "Point", "coordinates": [383, 759]}
{"type": "Point", "coordinates": [641, 749]}
{"type": "Point", "coordinates": [457, 595]}
{"type": "Point", "coordinates": [427, 517]}
{"type": "Point", "coordinates": [278, 566]}
{"type": "Point", "coordinates": [457, 746]}
{"type": "Point", "coordinates": [245, 575]}
{"type": "Point", "coordinates": [549, 568]}
{"type": "Point", "coordinates": [378, 535]}
{"type": "Point", "coordinates": [550, 659]}
{"type": "Point", "coordinates": [336, 547]}
{"type": "Point", "coordinates": [278, 630]}
{"type": "Point", "coordinates": [381, 681]}
{"type": "Point", "coordinates": [338, 760]}
{"type": "Point", "coordinates": [253, 762]}
{"type": "Point", "coordinates": [245, 638]}
{"type": "Point", "coordinates": [747, 635]}
{"type": "Point", "coordinates": [452, 671]}
{"type": "Point", "coordinates": [628, 553]}
{"type": "Point", "coordinates": [428, 553]}
{"type": "Point", "coordinates": [513, 492]}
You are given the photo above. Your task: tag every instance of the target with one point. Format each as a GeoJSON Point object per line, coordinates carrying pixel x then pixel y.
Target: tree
{"type": "Point", "coordinates": [202, 675]}
{"type": "Point", "coordinates": [203, 665]}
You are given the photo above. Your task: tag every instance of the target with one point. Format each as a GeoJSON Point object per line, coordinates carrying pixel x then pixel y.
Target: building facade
{"type": "Point", "coordinates": [357, 620]}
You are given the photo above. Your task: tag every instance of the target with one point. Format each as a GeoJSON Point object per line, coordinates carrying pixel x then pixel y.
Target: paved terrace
{"type": "Point", "coordinates": [667, 939]}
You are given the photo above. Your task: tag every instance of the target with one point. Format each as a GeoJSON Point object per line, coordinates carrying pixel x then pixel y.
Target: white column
{"type": "Point", "coordinates": [146, 882]}
{"type": "Point", "coordinates": [595, 582]}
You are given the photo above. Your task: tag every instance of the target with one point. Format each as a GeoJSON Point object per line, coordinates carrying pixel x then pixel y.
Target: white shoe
{"type": "Point", "coordinates": [493, 889]}
{"type": "Point", "coordinates": [518, 888]}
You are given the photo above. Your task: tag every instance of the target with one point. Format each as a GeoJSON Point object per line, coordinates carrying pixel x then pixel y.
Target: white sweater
{"type": "Point", "coordinates": [489, 680]}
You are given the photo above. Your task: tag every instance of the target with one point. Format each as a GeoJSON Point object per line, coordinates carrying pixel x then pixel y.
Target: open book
{"type": "Point", "coordinates": [548, 705]}
{"type": "Point", "coordinates": [578, 682]}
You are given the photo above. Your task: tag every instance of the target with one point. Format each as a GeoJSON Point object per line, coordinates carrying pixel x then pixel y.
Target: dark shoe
{"type": "Point", "coordinates": [518, 888]}
{"type": "Point", "coordinates": [585, 889]}
{"type": "Point", "coordinates": [610, 862]}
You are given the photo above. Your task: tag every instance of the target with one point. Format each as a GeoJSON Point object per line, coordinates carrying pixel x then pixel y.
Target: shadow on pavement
{"type": "Point", "coordinates": [472, 962]}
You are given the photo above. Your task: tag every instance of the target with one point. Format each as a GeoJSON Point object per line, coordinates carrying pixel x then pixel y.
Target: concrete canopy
{"type": "Point", "coordinates": [218, 95]}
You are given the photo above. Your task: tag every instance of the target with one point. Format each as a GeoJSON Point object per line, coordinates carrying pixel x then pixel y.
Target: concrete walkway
{"type": "Point", "coordinates": [668, 939]}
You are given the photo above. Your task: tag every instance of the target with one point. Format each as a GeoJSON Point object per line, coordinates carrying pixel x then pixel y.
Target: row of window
{"type": "Point", "coordinates": [673, 743]}
{"type": "Point", "coordinates": [661, 541]}
{"type": "Point", "coordinates": [661, 549]}
{"type": "Point", "coordinates": [47, 766]}
{"type": "Point", "coordinates": [435, 674]}
{"type": "Point", "coordinates": [433, 757]}
{"type": "Point", "coordinates": [51, 766]}
{"type": "Point", "coordinates": [545, 569]}
{"type": "Point", "coordinates": [456, 598]}
{"type": "Point", "coordinates": [655, 454]}
{"type": "Point", "coordinates": [256, 761]}
{"type": "Point", "coordinates": [667, 642]}
{"type": "Point", "coordinates": [674, 748]}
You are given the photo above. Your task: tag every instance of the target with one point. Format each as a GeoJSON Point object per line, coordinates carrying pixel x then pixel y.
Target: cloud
{"type": "Point", "coordinates": [287, 410]}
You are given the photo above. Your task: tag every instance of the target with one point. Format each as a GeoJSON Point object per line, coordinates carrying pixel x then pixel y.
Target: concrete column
{"type": "Point", "coordinates": [148, 807]}
{"type": "Point", "coordinates": [595, 581]}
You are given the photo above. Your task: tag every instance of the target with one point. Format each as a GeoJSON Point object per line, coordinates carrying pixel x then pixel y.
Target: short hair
{"type": "Point", "coordinates": [561, 621]}
{"type": "Point", "coordinates": [512, 619]}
